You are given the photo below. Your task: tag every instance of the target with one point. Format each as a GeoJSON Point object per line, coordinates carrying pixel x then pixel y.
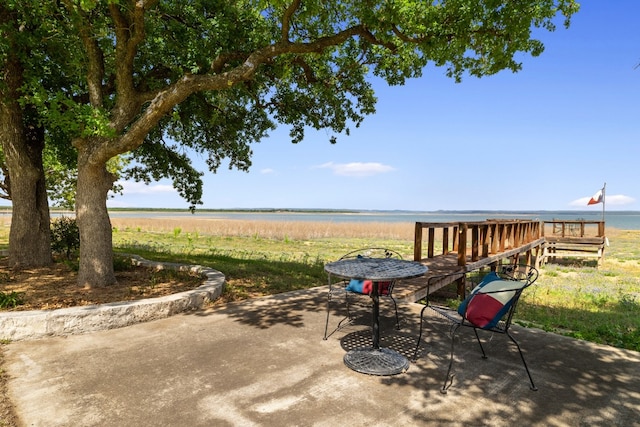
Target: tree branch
{"type": "Point", "coordinates": [405, 38]}
{"type": "Point", "coordinates": [286, 19]}
{"type": "Point", "coordinates": [308, 71]}
{"type": "Point", "coordinates": [129, 34]}
{"type": "Point", "coordinates": [368, 36]}
{"type": "Point", "coordinates": [221, 60]}
{"type": "Point", "coordinates": [165, 100]}
{"type": "Point", "coordinates": [95, 56]}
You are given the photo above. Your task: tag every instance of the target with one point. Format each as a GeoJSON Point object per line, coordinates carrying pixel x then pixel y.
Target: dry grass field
{"type": "Point", "coordinates": [294, 230]}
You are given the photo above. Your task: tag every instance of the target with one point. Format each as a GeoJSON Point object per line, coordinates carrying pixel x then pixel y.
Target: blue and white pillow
{"type": "Point", "coordinates": [489, 301]}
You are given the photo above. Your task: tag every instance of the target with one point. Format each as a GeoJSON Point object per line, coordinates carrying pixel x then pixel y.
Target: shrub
{"type": "Point", "coordinates": [10, 300]}
{"type": "Point", "coordinates": [122, 263]}
{"type": "Point", "coordinates": [65, 236]}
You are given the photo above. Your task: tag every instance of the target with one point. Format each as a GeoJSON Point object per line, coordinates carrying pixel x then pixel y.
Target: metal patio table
{"type": "Point", "coordinates": [375, 360]}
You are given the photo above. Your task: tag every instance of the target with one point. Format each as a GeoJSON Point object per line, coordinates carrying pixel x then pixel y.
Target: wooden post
{"type": "Point", "coordinates": [456, 242]}
{"type": "Point", "coordinates": [501, 237]}
{"type": "Point", "coordinates": [445, 240]}
{"type": "Point", "coordinates": [431, 242]}
{"type": "Point", "coordinates": [417, 242]}
{"type": "Point", "coordinates": [462, 244]}
{"type": "Point", "coordinates": [484, 239]}
{"type": "Point", "coordinates": [494, 238]}
{"type": "Point", "coordinates": [475, 242]}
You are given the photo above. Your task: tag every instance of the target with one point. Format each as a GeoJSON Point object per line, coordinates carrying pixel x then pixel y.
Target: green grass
{"type": "Point", "coordinates": [253, 265]}
{"type": "Point", "coordinates": [253, 247]}
{"type": "Point", "coordinates": [597, 305]}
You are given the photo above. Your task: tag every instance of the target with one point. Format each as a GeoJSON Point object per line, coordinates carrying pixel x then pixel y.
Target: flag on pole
{"type": "Point", "coordinates": [597, 198]}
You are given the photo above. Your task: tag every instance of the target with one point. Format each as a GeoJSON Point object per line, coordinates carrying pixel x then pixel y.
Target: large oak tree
{"type": "Point", "coordinates": [160, 78]}
{"type": "Point", "coordinates": [22, 138]}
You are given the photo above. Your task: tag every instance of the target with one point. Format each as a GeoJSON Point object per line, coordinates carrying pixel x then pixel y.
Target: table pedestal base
{"type": "Point", "coordinates": [380, 361]}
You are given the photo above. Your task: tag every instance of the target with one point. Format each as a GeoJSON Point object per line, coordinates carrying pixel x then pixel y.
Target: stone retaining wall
{"type": "Point", "coordinates": [29, 325]}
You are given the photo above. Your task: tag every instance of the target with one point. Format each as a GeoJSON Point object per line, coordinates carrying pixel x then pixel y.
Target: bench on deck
{"type": "Point", "coordinates": [574, 247]}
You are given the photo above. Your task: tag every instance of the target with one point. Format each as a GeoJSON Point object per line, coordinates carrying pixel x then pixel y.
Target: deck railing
{"type": "Point", "coordinates": [574, 228]}
{"type": "Point", "coordinates": [481, 239]}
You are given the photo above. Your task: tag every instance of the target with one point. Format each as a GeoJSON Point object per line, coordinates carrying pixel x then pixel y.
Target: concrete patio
{"type": "Point", "coordinates": [263, 362]}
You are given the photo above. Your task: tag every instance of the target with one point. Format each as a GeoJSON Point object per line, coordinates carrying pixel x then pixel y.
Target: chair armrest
{"type": "Point", "coordinates": [433, 279]}
{"type": "Point", "coordinates": [516, 289]}
{"type": "Point", "coordinates": [519, 272]}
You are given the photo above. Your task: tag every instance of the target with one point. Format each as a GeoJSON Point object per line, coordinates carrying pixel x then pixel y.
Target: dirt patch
{"type": "Point", "coordinates": [56, 286]}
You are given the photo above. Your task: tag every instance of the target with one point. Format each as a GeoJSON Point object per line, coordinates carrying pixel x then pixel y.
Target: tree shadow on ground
{"type": "Point", "coordinates": [595, 385]}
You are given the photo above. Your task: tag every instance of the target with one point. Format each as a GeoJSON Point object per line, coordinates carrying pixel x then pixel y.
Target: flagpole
{"type": "Point", "coordinates": [604, 189]}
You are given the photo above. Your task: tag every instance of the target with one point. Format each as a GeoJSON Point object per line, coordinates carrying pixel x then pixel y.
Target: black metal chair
{"type": "Point", "coordinates": [353, 291]}
{"type": "Point", "coordinates": [490, 307]}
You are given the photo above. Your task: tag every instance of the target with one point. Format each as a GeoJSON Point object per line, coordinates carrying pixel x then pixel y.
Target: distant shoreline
{"type": "Point", "coordinates": [7, 209]}
{"type": "Point", "coordinates": [621, 220]}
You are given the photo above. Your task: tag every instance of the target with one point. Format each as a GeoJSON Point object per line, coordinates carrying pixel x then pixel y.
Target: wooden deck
{"type": "Point", "coordinates": [574, 239]}
{"type": "Point", "coordinates": [454, 249]}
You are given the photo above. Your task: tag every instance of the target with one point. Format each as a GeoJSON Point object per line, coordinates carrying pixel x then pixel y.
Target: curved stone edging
{"type": "Point", "coordinates": [30, 325]}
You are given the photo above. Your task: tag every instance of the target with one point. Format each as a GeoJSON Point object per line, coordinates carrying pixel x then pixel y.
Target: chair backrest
{"type": "Point", "coordinates": [518, 272]}
{"type": "Point", "coordinates": [372, 253]}
{"type": "Point", "coordinates": [495, 298]}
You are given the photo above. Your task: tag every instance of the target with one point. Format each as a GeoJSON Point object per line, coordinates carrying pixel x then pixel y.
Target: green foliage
{"type": "Point", "coordinates": [61, 180]}
{"type": "Point", "coordinates": [313, 61]}
{"type": "Point", "coordinates": [10, 300]}
{"type": "Point", "coordinates": [73, 264]}
{"type": "Point", "coordinates": [65, 236]}
{"type": "Point", "coordinates": [162, 81]}
{"type": "Point", "coordinates": [122, 263]}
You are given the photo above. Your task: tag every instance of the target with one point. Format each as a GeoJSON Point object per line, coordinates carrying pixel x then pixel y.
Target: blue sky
{"type": "Point", "coordinates": [545, 138]}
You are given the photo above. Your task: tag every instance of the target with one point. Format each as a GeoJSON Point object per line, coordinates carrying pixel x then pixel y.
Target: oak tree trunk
{"type": "Point", "coordinates": [96, 248]}
{"type": "Point", "coordinates": [22, 144]}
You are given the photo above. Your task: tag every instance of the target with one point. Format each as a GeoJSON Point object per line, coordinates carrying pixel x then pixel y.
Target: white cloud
{"type": "Point", "coordinates": [357, 168]}
{"type": "Point", "coordinates": [266, 171]}
{"type": "Point", "coordinates": [610, 200]}
{"type": "Point", "coordinates": [132, 187]}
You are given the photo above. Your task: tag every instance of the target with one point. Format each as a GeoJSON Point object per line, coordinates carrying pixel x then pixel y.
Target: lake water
{"type": "Point", "coordinates": [625, 220]}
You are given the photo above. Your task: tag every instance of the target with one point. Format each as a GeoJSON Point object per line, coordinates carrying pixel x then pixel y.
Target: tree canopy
{"type": "Point", "coordinates": [214, 76]}
{"type": "Point", "coordinates": [156, 79]}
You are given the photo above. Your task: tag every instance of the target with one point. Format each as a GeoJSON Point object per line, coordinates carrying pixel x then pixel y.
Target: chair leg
{"type": "Point", "coordinates": [346, 298]}
{"type": "Point", "coordinates": [533, 386]}
{"type": "Point", "coordinates": [484, 355]}
{"type": "Point", "coordinates": [340, 323]}
{"type": "Point", "coordinates": [415, 353]}
{"type": "Point", "coordinates": [326, 325]}
{"type": "Point", "coordinates": [395, 307]}
{"type": "Point", "coordinates": [448, 380]}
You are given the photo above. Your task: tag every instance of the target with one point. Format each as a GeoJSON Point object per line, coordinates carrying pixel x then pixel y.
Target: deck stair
{"type": "Point", "coordinates": [572, 239]}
